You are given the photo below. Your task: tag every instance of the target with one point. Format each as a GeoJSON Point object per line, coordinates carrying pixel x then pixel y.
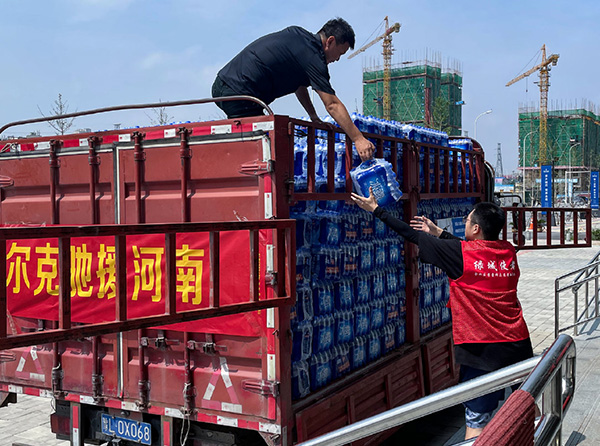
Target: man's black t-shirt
{"type": "Point", "coordinates": [278, 64]}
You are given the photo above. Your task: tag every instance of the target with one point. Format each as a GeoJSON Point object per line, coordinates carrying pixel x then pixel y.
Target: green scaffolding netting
{"type": "Point", "coordinates": [413, 91]}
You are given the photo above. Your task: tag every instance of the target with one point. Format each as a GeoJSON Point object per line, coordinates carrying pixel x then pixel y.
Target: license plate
{"type": "Point", "coordinates": [127, 429]}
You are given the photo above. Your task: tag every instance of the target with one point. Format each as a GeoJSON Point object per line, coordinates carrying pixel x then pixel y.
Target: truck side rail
{"type": "Point", "coordinates": [551, 378]}
{"type": "Point", "coordinates": [467, 176]}
{"type": "Point", "coordinates": [96, 111]}
{"type": "Point", "coordinates": [547, 228]}
{"type": "Point", "coordinates": [282, 276]}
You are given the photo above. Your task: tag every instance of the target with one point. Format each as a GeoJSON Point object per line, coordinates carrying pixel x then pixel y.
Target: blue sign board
{"type": "Point", "coordinates": [594, 198]}
{"type": "Point", "coordinates": [546, 186]}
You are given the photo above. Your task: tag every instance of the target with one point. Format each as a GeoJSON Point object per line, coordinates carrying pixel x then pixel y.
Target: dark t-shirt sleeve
{"type": "Point", "coordinates": [445, 253]}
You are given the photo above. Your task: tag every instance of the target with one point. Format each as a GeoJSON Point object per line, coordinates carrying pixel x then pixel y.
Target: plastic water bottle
{"type": "Point", "coordinates": [378, 175]}
{"type": "Point", "coordinates": [378, 278]}
{"type": "Point", "coordinates": [340, 361]}
{"type": "Point", "coordinates": [377, 314]}
{"type": "Point", "coordinates": [380, 254]}
{"type": "Point", "coordinates": [323, 297]}
{"type": "Point", "coordinates": [366, 256]}
{"type": "Point", "coordinates": [391, 281]}
{"type": "Point", "coordinates": [400, 334]}
{"type": "Point", "coordinates": [389, 339]}
{"type": "Point", "coordinates": [344, 294]}
{"type": "Point", "coordinates": [392, 309]}
{"type": "Point", "coordinates": [344, 327]}
{"type": "Point", "coordinates": [323, 333]}
{"type": "Point", "coordinates": [373, 346]}
{"type": "Point", "coordinates": [362, 319]}
{"type": "Point", "coordinates": [320, 371]}
{"type": "Point", "coordinates": [302, 340]}
{"type": "Point", "coordinates": [300, 379]}
{"type": "Point", "coordinates": [303, 267]}
{"type": "Point", "coordinates": [350, 259]}
{"type": "Point", "coordinates": [363, 287]}
{"type": "Point", "coordinates": [358, 352]}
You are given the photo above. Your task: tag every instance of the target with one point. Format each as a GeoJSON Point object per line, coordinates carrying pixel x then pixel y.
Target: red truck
{"type": "Point", "coordinates": [151, 274]}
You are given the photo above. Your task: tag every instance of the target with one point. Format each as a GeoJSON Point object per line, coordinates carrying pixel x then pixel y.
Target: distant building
{"type": "Point", "coordinates": [414, 89]}
{"type": "Point", "coordinates": [573, 144]}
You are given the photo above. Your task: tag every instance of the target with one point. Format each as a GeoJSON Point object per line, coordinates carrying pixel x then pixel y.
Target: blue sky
{"type": "Point", "coordinates": [99, 53]}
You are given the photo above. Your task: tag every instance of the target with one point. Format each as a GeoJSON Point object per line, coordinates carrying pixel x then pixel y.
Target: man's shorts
{"type": "Point", "coordinates": [478, 411]}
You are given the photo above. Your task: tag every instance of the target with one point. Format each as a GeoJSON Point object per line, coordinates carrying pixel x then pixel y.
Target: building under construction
{"type": "Point", "coordinates": [573, 139]}
{"type": "Point", "coordinates": [414, 88]}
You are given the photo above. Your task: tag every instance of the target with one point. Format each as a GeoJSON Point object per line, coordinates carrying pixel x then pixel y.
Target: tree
{"type": "Point", "coordinates": [60, 107]}
{"type": "Point", "coordinates": [440, 114]}
{"type": "Point", "coordinates": [161, 116]}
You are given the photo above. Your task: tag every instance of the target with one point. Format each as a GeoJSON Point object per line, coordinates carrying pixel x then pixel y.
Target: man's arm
{"type": "Point", "coordinates": [338, 111]}
{"type": "Point", "coordinates": [304, 99]}
{"type": "Point", "coordinates": [443, 253]}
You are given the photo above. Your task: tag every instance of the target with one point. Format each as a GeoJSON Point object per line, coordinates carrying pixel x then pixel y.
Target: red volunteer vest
{"type": "Point", "coordinates": [484, 300]}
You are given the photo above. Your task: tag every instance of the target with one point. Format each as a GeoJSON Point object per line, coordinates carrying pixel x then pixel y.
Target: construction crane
{"type": "Point", "coordinates": [387, 63]}
{"type": "Point", "coordinates": [544, 69]}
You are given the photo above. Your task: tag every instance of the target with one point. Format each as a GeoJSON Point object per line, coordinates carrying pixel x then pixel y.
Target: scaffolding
{"type": "Point", "coordinates": [573, 136]}
{"type": "Point", "coordinates": [414, 86]}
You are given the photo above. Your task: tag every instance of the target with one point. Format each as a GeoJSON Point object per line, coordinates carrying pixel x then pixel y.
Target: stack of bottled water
{"type": "Point", "coordinates": [350, 275]}
{"type": "Point", "coordinates": [434, 288]}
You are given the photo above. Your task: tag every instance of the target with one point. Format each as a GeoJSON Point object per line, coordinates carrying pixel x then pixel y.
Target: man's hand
{"type": "Point", "coordinates": [365, 148]}
{"type": "Point", "coordinates": [422, 223]}
{"type": "Point", "coordinates": [368, 204]}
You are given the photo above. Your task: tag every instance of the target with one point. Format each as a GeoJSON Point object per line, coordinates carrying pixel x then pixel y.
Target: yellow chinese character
{"type": "Point", "coordinates": [81, 271]}
{"type": "Point", "coordinates": [106, 271]}
{"type": "Point", "coordinates": [18, 266]}
{"type": "Point", "coordinates": [46, 277]}
{"type": "Point", "coordinates": [148, 273]}
{"type": "Point", "coordinates": [189, 274]}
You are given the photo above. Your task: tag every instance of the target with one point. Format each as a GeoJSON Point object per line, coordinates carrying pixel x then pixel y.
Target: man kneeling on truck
{"type": "Point", "coordinates": [488, 327]}
{"type": "Point", "coordinates": [289, 61]}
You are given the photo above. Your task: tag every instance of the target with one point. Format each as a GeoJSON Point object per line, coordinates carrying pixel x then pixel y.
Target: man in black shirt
{"type": "Point", "coordinates": [289, 61]}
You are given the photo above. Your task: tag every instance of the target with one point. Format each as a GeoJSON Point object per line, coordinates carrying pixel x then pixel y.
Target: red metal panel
{"type": "Point", "coordinates": [390, 382]}
{"type": "Point", "coordinates": [438, 361]}
{"type": "Point", "coordinates": [218, 191]}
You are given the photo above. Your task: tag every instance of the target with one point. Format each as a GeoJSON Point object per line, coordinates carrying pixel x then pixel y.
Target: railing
{"type": "Point", "coordinates": [430, 170]}
{"type": "Point", "coordinates": [547, 228]}
{"type": "Point", "coordinates": [551, 379]}
{"type": "Point", "coordinates": [136, 107]}
{"type": "Point", "coordinates": [282, 276]}
{"type": "Point", "coordinates": [582, 278]}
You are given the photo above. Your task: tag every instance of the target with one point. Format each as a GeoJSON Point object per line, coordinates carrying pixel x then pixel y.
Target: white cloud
{"type": "Point", "coordinates": [91, 10]}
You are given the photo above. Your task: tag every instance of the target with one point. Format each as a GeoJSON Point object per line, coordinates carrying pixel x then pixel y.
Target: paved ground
{"type": "Point", "coordinates": [539, 269]}
{"type": "Point", "coordinates": [27, 423]}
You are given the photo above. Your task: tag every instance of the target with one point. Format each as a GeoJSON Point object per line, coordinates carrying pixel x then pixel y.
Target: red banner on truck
{"type": "Point", "coordinates": [33, 281]}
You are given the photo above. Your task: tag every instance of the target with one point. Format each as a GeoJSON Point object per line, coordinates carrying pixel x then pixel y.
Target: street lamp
{"type": "Point", "coordinates": [487, 112]}
{"type": "Point", "coordinates": [524, 140]}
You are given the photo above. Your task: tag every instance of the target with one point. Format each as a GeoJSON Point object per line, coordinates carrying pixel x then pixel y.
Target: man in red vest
{"type": "Point", "coordinates": [488, 327]}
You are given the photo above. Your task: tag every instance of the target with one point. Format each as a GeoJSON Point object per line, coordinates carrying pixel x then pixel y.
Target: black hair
{"type": "Point", "coordinates": [490, 218]}
{"type": "Point", "coordinates": [340, 29]}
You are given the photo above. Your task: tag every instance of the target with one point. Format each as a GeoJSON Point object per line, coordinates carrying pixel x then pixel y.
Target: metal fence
{"type": "Point", "coordinates": [550, 379]}
{"type": "Point", "coordinates": [579, 283]}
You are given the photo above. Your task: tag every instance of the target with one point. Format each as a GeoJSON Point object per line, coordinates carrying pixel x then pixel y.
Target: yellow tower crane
{"type": "Point", "coordinates": [544, 69]}
{"type": "Point", "coordinates": [387, 63]}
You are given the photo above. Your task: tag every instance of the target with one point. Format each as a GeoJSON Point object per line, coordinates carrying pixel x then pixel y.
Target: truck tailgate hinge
{"type": "Point", "coordinates": [160, 342]}
{"type": "Point", "coordinates": [209, 348]}
{"type": "Point", "coordinates": [261, 387]}
{"type": "Point", "coordinates": [256, 168]}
